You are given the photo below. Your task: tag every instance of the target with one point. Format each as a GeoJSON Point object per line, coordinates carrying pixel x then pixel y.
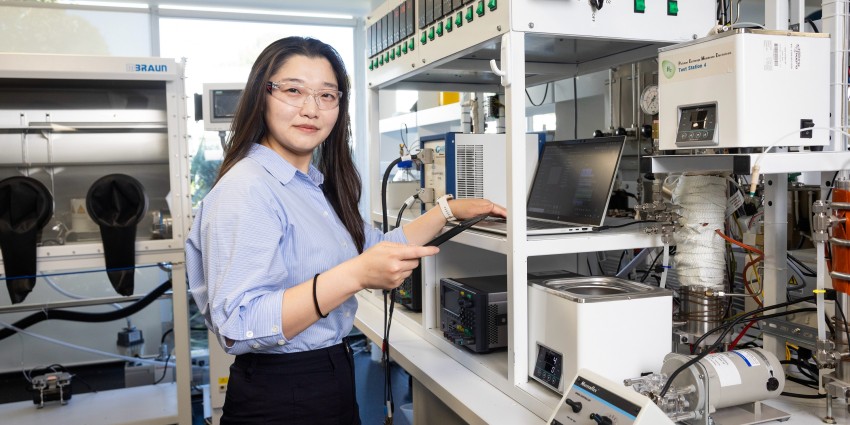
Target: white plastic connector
{"type": "Point", "coordinates": [410, 200]}
{"type": "Point", "coordinates": [426, 194]}
{"type": "Point", "coordinates": [425, 156]}
{"type": "Point", "coordinates": [754, 179]}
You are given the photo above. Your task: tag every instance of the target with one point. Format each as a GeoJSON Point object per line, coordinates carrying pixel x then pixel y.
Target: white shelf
{"type": "Point", "coordinates": [146, 405]}
{"type": "Point", "coordinates": [437, 115]}
{"type": "Point", "coordinates": [90, 255]}
{"type": "Point", "coordinates": [771, 163]}
{"type": "Point", "coordinates": [606, 240]}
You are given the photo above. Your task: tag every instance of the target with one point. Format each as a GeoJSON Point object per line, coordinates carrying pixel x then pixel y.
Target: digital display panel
{"type": "Point", "coordinates": [224, 104]}
{"type": "Point", "coordinates": [548, 366]}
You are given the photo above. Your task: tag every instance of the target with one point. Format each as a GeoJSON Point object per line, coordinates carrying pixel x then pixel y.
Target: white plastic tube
{"type": "Point", "coordinates": [821, 284]}
{"type": "Point", "coordinates": [86, 349]}
{"type": "Point", "coordinates": [59, 289]}
{"type": "Point", "coordinates": [665, 265]}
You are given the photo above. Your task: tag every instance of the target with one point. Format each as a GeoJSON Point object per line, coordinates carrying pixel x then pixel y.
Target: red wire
{"type": "Point", "coordinates": [741, 335]}
{"type": "Point", "coordinates": [741, 244]}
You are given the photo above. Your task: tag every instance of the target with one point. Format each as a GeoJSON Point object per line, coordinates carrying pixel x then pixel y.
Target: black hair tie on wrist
{"type": "Point", "coordinates": [316, 299]}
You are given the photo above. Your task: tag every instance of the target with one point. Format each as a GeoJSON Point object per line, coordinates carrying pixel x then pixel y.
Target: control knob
{"type": "Point", "coordinates": [601, 420]}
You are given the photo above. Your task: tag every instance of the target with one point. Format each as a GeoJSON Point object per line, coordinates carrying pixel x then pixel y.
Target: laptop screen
{"type": "Point", "coordinates": [574, 180]}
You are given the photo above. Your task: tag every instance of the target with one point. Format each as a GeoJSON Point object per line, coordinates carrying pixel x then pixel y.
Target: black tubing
{"type": "Point", "coordinates": [77, 316]}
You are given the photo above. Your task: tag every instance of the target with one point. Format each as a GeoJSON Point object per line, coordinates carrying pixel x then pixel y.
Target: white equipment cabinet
{"type": "Point", "coordinates": [502, 46]}
{"type": "Point", "coordinates": [721, 91]}
{"type": "Point", "coordinates": [67, 121]}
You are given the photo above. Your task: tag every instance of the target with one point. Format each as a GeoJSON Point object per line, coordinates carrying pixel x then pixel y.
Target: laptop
{"type": "Point", "coordinates": [571, 187]}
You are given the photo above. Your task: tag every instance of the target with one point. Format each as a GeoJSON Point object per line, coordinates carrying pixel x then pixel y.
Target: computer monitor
{"type": "Point", "coordinates": [219, 101]}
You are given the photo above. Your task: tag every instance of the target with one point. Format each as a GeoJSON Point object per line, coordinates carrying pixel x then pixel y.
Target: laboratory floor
{"type": "Point", "coordinates": [369, 376]}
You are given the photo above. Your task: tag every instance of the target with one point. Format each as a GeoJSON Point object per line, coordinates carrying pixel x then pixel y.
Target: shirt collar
{"type": "Point", "coordinates": [280, 168]}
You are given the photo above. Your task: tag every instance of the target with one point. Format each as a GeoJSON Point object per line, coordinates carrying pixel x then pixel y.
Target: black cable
{"type": "Point", "coordinates": [726, 329]}
{"type": "Point", "coordinates": [164, 370]}
{"type": "Point", "coordinates": [575, 102]}
{"type": "Point", "coordinates": [545, 93]}
{"type": "Point", "coordinates": [730, 326]}
{"type": "Point", "coordinates": [400, 213]}
{"type": "Point", "coordinates": [805, 382]}
{"type": "Point", "coordinates": [748, 344]}
{"type": "Point", "coordinates": [831, 185]}
{"type": "Point", "coordinates": [91, 389]}
{"type": "Point", "coordinates": [809, 271]}
{"type": "Point", "coordinates": [388, 317]}
{"type": "Point", "coordinates": [403, 139]}
{"type": "Point", "coordinates": [76, 316]}
{"type": "Point", "coordinates": [386, 179]}
{"type": "Point", "coordinates": [803, 368]}
{"type": "Point", "coordinates": [620, 261]}
{"type": "Point", "coordinates": [829, 325]}
{"type": "Point", "coordinates": [617, 226]}
{"type": "Point", "coordinates": [809, 396]}
{"type": "Point", "coordinates": [651, 266]}
{"type": "Point", "coordinates": [812, 23]}
{"type": "Point", "coordinates": [844, 318]}
{"type": "Point", "coordinates": [165, 335]}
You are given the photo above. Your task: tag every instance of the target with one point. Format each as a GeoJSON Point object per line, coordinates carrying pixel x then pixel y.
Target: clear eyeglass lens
{"type": "Point", "coordinates": [296, 95]}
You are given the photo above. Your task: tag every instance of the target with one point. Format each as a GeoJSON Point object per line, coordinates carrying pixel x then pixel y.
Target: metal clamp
{"type": "Point", "coordinates": [825, 353]}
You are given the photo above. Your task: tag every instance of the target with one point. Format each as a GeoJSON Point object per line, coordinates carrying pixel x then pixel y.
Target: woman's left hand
{"type": "Point", "coordinates": [464, 209]}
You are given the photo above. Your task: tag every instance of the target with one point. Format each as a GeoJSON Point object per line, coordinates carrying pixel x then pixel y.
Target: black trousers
{"type": "Point", "coordinates": [312, 388]}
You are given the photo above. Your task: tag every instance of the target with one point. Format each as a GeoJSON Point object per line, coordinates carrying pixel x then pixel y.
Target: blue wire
{"type": "Point", "coordinates": [79, 272]}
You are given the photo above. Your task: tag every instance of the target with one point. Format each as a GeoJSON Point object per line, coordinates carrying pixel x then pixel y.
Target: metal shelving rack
{"type": "Point", "coordinates": [165, 163]}
{"type": "Point", "coordinates": [531, 43]}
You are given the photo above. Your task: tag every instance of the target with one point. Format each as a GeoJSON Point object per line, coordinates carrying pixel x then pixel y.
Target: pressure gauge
{"type": "Point", "coordinates": [649, 100]}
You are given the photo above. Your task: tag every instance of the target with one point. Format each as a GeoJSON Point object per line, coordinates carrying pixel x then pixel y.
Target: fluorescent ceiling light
{"type": "Point", "coordinates": [253, 11]}
{"type": "Point", "coordinates": [104, 4]}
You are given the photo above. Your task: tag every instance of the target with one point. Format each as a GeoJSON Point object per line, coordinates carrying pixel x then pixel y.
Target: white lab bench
{"type": "Point", "coordinates": [450, 386]}
{"type": "Point", "coordinates": [146, 405]}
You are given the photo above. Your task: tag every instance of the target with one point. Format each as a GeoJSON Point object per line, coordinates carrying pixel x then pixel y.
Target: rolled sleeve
{"type": "Point", "coordinates": [374, 235]}
{"type": "Point", "coordinates": [261, 332]}
{"type": "Point", "coordinates": [244, 271]}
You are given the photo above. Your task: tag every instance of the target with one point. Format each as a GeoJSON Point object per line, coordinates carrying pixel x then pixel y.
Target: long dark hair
{"type": "Point", "coordinates": [342, 184]}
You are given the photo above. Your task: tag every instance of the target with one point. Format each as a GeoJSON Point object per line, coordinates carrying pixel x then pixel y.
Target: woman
{"type": "Point", "coordinates": [278, 248]}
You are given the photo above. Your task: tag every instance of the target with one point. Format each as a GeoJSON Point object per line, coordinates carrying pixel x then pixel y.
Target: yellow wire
{"type": "Point", "coordinates": [760, 293]}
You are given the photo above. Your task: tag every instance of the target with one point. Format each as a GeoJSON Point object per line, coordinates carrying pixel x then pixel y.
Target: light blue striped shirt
{"type": "Point", "coordinates": [263, 228]}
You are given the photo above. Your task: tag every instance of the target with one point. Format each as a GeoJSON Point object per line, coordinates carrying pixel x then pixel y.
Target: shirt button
{"type": "Point", "coordinates": [325, 213]}
{"type": "Point", "coordinates": [274, 328]}
{"type": "Point", "coordinates": [249, 334]}
{"type": "Point", "coordinates": [347, 314]}
{"type": "Point", "coordinates": [255, 346]}
{"type": "Point", "coordinates": [281, 342]}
